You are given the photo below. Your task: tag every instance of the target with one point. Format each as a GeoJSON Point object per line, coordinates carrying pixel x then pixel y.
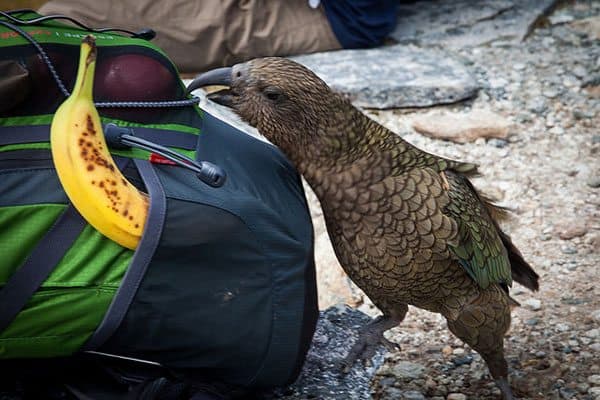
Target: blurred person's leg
{"type": "Point", "coordinates": [199, 35]}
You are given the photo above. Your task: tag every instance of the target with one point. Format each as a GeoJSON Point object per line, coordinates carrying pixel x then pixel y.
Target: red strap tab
{"type": "Point", "coordinates": [158, 159]}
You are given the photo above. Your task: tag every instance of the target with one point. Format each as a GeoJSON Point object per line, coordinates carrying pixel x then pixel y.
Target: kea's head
{"type": "Point", "coordinates": [285, 101]}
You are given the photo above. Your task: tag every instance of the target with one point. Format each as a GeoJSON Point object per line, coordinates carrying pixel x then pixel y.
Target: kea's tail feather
{"type": "Point", "coordinates": [521, 270]}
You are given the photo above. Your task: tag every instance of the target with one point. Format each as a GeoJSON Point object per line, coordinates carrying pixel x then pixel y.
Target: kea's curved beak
{"type": "Point", "coordinates": [215, 77]}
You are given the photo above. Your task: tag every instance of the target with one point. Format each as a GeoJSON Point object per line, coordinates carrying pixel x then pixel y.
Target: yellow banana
{"type": "Point", "coordinates": [86, 170]}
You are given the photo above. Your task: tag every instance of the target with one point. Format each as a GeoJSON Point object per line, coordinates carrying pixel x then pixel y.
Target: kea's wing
{"type": "Point", "coordinates": [480, 249]}
{"type": "Point", "coordinates": [423, 219]}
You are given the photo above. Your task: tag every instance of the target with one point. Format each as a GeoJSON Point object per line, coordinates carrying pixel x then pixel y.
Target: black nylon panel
{"type": "Point", "coordinates": [234, 263]}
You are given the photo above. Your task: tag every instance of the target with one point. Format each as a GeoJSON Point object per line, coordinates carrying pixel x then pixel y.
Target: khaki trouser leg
{"type": "Point", "coordinates": [199, 35]}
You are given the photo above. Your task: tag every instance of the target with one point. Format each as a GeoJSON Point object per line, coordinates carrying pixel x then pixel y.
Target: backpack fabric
{"type": "Point", "coordinates": [229, 292]}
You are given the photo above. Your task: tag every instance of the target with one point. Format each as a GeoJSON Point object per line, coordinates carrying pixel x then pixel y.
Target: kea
{"type": "Point", "coordinates": [407, 226]}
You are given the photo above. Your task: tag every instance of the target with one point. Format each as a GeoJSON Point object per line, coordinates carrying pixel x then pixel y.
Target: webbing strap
{"type": "Point", "coordinates": [37, 267]}
{"type": "Point", "coordinates": [41, 133]}
{"type": "Point", "coordinates": [141, 258]}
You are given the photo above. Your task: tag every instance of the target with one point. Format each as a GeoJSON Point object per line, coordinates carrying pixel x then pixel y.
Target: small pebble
{"type": "Point", "coordinates": [550, 93]}
{"type": "Point", "coordinates": [594, 380]}
{"type": "Point", "coordinates": [594, 182]}
{"type": "Point", "coordinates": [412, 395]}
{"type": "Point", "coordinates": [566, 393]}
{"type": "Point", "coordinates": [458, 351]}
{"type": "Point", "coordinates": [499, 143]}
{"type": "Point", "coordinates": [579, 71]}
{"type": "Point", "coordinates": [593, 333]}
{"type": "Point", "coordinates": [594, 392]}
{"type": "Point", "coordinates": [573, 230]}
{"type": "Point", "coordinates": [465, 360]}
{"type": "Point", "coordinates": [456, 396]}
{"type": "Point", "coordinates": [568, 249]}
{"type": "Point", "coordinates": [583, 387]}
{"type": "Point", "coordinates": [532, 304]}
{"type": "Point", "coordinates": [595, 347]}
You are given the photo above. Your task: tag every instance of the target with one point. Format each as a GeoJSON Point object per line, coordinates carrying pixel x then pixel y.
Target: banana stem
{"type": "Point", "coordinates": [84, 84]}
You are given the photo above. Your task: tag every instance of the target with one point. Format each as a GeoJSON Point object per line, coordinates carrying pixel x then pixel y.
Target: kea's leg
{"type": "Point", "coordinates": [482, 325]}
{"type": "Point", "coordinates": [371, 336]}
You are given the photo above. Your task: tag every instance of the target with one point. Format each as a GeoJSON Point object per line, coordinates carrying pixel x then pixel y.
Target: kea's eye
{"type": "Point", "coordinates": [273, 93]}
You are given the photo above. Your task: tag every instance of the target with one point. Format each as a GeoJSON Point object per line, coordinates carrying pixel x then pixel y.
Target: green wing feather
{"type": "Point", "coordinates": [479, 249]}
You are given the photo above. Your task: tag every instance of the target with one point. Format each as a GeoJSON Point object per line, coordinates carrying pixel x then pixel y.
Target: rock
{"type": "Point", "coordinates": [593, 182]}
{"type": "Point", "coordinates": [568, 249]}
{"type": "Point", "coordinates": [408, 370]}
{"type": "Point", "coordinates": [461, 23]}
{"type": "Point", "coordinates": [579, 71]}
{"type": "Point", "coordinates": [464, 127]}
{"type": "Point", "coordinates": [594, 380]}
{"type": "Point", "coordinates": [557, 130]}
{"type": "Point", "coordinates": [550, 93]}
{"type": "Point", "coordinates": [594, 392]}
{"type": "Point", "coordinates": [559, 18]}
{"type": "Point", "coordinates": [320, 377]}
{"type": "Point", "coordinates": [593, 333]}
{"type": "Point", "coordinates": [374, 78]}
{"type": "Point", "coordinates": [458, 361]}
{"type": "Point", "coordinates": [537, 105]}
{"type": "Point", "coordinates": [447, 350]}
{"type": "Point", "coordinates": [458, 351]}
{"type": "Point", "coordinates": [566, 393]}
{"type": "Point", "coordinates": [589, 26]}
{"type": "Point", "coordinates": [412, 395]}
{"type": "Point", "coordinates": [595, 315]}
{"type": "Point", "coordinates": [562, 327]}
{"type": "Point", "coordinates": [499, 143]}
{"type": "Point", "coordinates": [532, 304]}
{"type": "Point", "coordinates": [583, 387]}
{"type": "Point", "coordinates": [498, 83]}
{"type": "Point", "coordinates": [456, 396]}
{"type": "Point", "coordinates": [572, 230]}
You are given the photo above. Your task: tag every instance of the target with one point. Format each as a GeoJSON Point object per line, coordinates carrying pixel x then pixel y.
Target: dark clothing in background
{"type": "Point", "coordinates": [361, 23]}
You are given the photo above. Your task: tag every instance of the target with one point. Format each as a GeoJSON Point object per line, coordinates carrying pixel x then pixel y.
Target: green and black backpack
{"type": "Point", "coordinates": [221, 287]}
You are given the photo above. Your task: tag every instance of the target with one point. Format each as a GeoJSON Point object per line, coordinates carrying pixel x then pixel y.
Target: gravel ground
{"type": "Point", "coordinates": [548, 172]}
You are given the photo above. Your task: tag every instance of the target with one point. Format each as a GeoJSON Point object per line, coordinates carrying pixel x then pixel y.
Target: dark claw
{"type": "Point", "coordinates": [366, 346]}
{"type": "Point", "coordinates": [505, 389]}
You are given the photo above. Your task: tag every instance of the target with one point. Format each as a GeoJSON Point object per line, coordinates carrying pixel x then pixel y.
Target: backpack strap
{"type": "Point", "coordinates": [141, 258]}
{"type": "Point", "coordinates": [37, 267]}
{"type": "Point", "coordinates": [41, 261]}
{"type": "Point", "coordinates": [41, 133]}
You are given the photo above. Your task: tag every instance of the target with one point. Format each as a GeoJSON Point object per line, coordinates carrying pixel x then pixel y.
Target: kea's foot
{"type": "Point", "coordinates": [369, 339]}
